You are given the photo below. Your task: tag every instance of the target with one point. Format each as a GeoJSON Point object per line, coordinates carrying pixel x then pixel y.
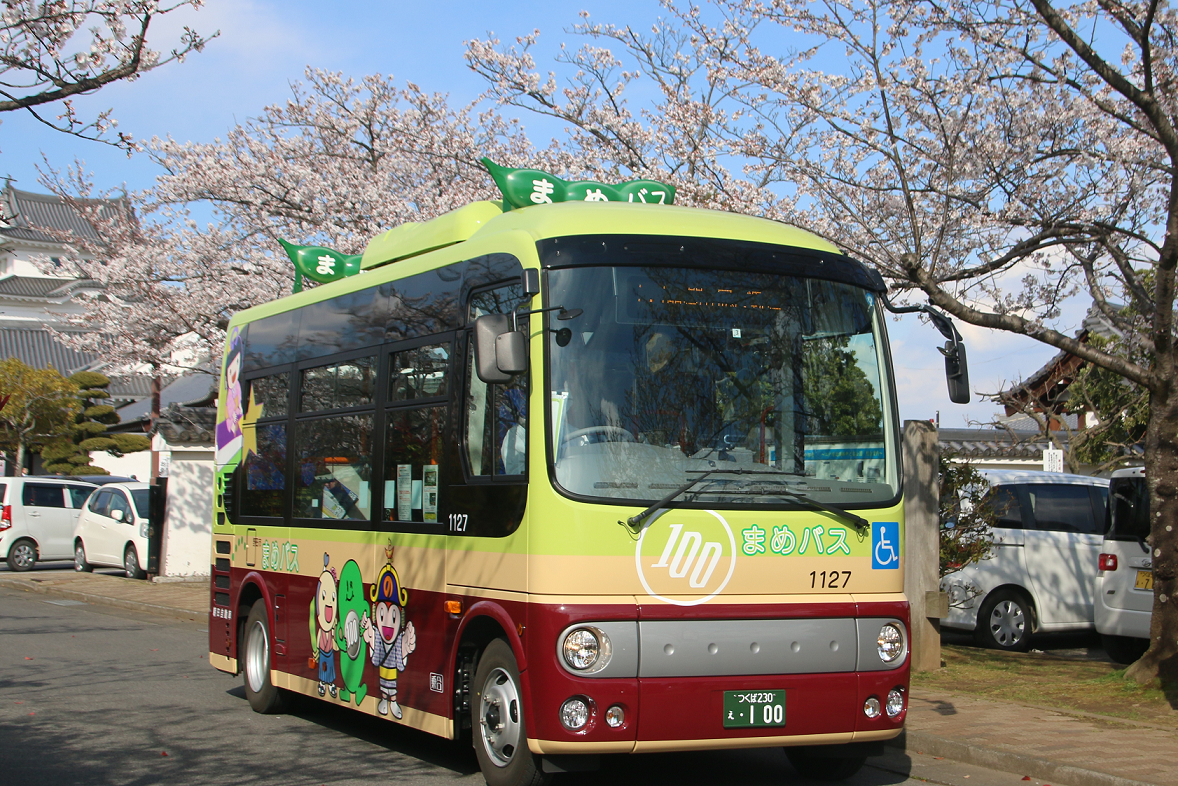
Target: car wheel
{"type": "Point", "coordinates": [263, 696]}
{"type": "Point", "coordinates": [22, 555]}
{"type": "Point", "coordinates": [825, 767]}
{"type": "Point", "coordinates": [131, 563]}
{"type": "Point", "coordinates": [1005, 622]}
{"type": "Point", "coordinates": [500, 738]}
{"type": "Point", "coordinates": [80, 563]}
{"type": "Point", "coordinates": [1124, 649]}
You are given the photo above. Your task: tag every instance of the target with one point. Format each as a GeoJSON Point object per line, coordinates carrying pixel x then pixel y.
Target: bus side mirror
{"type": "Point", "coordinates": [500, 353]}
{"type": "Point", "coordinates": [956, 371]}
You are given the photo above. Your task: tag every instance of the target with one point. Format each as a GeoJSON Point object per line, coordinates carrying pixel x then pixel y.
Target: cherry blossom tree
{"type": "Point", "coordinates": [994, 158]}
{"type": "Point", "coordinates": [337, 164]}
{"type": "Point", "coordinates": [45, 61]}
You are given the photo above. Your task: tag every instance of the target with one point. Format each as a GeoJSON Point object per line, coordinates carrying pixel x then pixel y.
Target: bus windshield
{"type": "Point", "coordinates": [670, 372]}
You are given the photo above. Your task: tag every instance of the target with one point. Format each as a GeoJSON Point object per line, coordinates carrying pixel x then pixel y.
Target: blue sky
{"type": "Point", "coordinates": [266, 44]}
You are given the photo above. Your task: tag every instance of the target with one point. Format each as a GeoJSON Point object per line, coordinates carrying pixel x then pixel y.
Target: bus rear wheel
{"type": "Point", "coordinates": [824, 765]}
{"type": "Point", "coordinates": [500, 737]}
{"type": "Point", "coordinates": [263, 696]}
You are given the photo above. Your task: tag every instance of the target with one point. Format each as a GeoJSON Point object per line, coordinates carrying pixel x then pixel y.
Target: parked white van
{"type": "Point", "coordinates": [37, 518]}
{"type": "Point", "coordinates": [1124, 586]}
{"type": "Point", "coordinates": [1047, 539]}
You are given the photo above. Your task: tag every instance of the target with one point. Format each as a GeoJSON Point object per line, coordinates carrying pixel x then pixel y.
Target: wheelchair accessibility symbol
{"type": "Point", "coordinates": [885, 545]}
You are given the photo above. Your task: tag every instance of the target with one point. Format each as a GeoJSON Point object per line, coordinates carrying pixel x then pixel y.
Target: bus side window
{"type": "Point", "coordinates": [496, 422]}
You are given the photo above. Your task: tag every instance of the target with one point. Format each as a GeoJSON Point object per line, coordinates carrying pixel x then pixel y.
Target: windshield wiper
{"type": "Point", "coordinates": [635, 522]}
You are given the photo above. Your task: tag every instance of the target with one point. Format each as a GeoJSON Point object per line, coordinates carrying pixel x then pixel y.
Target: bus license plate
{"type": "Point", "coordinates": [1144, 580]}
{"type": "Point", "coordinates": [749, 709]}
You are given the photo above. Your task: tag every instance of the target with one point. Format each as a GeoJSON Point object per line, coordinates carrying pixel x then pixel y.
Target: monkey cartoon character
{"type": "Point", "coordinates": [325, 607]}
{"type": "Point", "coordinates": [392, 638]}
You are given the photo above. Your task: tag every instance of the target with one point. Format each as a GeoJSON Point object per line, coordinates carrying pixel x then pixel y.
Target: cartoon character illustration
{"type": "Point", "coordinates": [353, 652]}
{"type": "Point", "coordinates": [391, 645]}
{"type": "Point", "coordinates": [229, 435]}
{"type": "Point", "coordinates": [325, 617]}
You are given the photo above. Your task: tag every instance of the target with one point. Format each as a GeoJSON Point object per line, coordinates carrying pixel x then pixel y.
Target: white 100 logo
{"type": "Point", "coordinates": [686, 555]}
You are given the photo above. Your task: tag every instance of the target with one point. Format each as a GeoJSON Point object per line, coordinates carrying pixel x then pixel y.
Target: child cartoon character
{"type": "Point", "coordinates": [325, 606]}
{"type": "Point", "coordinates": [229, 436]}
{"type": "Point", "coordinates": [390, 644]}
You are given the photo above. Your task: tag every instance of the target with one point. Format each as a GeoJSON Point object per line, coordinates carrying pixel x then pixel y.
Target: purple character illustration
{"type": "Point", "coordinates": [229, 437]}
{"type": "Point", "coordinates": [391, 645]}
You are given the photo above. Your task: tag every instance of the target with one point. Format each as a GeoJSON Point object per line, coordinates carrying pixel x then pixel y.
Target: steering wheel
{"type": "Point", "coordinates": [605, 430]}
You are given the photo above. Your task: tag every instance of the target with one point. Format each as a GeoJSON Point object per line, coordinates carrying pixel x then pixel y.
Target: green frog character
{"type": "Point", "coordinates": [353, 610]}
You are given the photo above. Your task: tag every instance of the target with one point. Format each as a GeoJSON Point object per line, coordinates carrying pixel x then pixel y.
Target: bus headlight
{"type": "Point", "coordinates": [586, 649]}
{"type": "Point", "coordinates": [890, 643]}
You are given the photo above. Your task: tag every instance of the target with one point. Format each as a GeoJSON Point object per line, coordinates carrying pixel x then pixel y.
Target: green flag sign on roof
{"type": "Point", "coordinates": [526, 187]}
{"type": "Point", "coordinates": [320, 264]}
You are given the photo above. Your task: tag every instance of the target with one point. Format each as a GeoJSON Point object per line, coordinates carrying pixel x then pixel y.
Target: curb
{"type": "Point", "coordinates": [106, 600]}
{"type": "Point", "coordinates": [1016, 763]}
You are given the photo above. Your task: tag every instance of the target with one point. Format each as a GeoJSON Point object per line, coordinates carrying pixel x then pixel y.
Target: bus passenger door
{"type": "Point", "coordinates": [411, 630]}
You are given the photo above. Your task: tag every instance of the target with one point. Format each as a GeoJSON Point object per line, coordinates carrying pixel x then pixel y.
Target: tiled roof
{"type": "Point", "coordinates": [990, 443]}
{"type": "Point", "coordinates": [187, 390]}
{"type": "Point", "coordinates": [27, 212]}
{"type": "Point", "coordinates": [43, 286]}
{"type": "Point", "coordinates": [38, 349]}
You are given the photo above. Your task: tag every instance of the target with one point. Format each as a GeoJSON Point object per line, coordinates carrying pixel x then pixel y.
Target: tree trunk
{"type": "Point", "coordinates": [1161, 474]}
{"type": "Point", "coordinates": [20, 458]}
{"type": "Point", "coordinates": [156, 388]}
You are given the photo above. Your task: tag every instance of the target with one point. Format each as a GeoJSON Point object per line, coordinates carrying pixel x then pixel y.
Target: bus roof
{"type": "Point", "coordinates": [580, 218]}
{"type": "Point", "coordinates": [562, 219]}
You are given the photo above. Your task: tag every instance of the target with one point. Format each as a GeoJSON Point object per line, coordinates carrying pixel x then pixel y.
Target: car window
{"type": "Point", "coordinates": [1059, 508]}
{"type": "Point", "coordinates": [118, 501]}
{"type": "Point", "coordinates": [3, 491]}
{"type": "Point", "coordinates": [1129, 511]}
{"type": "Point", "coordinates": [1003, 500]}
{"type": "Point", "coordinates": [142, 500]}
{"type": "Point", "coordinates": [78, 496]}
{"type": "Point", "coordinates": [1100, 502]}
{"type": "Point", "coordinates": [43, 495]}
{"type": "Point", "coordinates": [100, 502]}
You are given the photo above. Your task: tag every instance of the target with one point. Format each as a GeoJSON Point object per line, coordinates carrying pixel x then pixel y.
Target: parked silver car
{"type": "Point", "coordinates": [1124, 586]}
{"type": "Point", "coordinates": [1047, 538]}
{"type": "Point", "coordinates": [37, 518]}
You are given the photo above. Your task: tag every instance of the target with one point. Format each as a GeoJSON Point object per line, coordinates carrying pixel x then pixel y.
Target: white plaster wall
{"type": "Point", "coordinates": [137, 465]}
{"type": "Point", "coordinates": [188, 523]}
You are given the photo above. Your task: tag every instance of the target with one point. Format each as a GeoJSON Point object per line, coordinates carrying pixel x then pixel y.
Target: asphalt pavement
{"type": "Point", "coordinates": [107, 683]}
{"type": "Point", "coordinates": [100, 695]}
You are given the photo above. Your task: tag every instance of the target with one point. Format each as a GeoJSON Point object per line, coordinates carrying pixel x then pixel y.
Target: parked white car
{"type": "Point", "coordinates": [1124, 586]}
{"type": "Point", "coordinates": [113, 529]}
{"type": "Point", "coordinates": [1047, 541]}
{"type": "Point", "coordinates": [37, 518]}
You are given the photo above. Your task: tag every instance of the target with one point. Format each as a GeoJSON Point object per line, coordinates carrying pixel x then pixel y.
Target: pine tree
{"type": "Point", "coordinates": [70, 455]}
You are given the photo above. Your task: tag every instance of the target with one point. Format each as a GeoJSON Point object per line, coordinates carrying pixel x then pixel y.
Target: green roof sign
{"type": "Point", "coordinates": [527, 187]}
{"type": "Point", "coordinates": [320, 264]}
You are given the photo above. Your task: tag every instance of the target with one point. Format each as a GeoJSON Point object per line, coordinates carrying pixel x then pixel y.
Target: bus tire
{"type": "Point", "coordinates": [255, 665]}
{"type": "Point", "coordinates": [824, 766]}
{"type": "Point", "coordinates": [497, 721]}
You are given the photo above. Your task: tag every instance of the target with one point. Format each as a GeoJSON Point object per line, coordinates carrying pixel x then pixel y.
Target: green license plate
{"type": "Point", "coordinates": [750, 709]}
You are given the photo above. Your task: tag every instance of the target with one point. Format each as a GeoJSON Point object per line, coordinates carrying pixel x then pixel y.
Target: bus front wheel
{"type": "Point", "coordinates": [500, 738]}
{"type": "Point", "coordinates": [824, 765]}
{"type": "Point", "coordinates": [263, 696]}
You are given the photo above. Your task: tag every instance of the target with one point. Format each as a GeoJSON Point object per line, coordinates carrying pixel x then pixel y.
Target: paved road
{"type": "Point", "coordinates": [91, 695]}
